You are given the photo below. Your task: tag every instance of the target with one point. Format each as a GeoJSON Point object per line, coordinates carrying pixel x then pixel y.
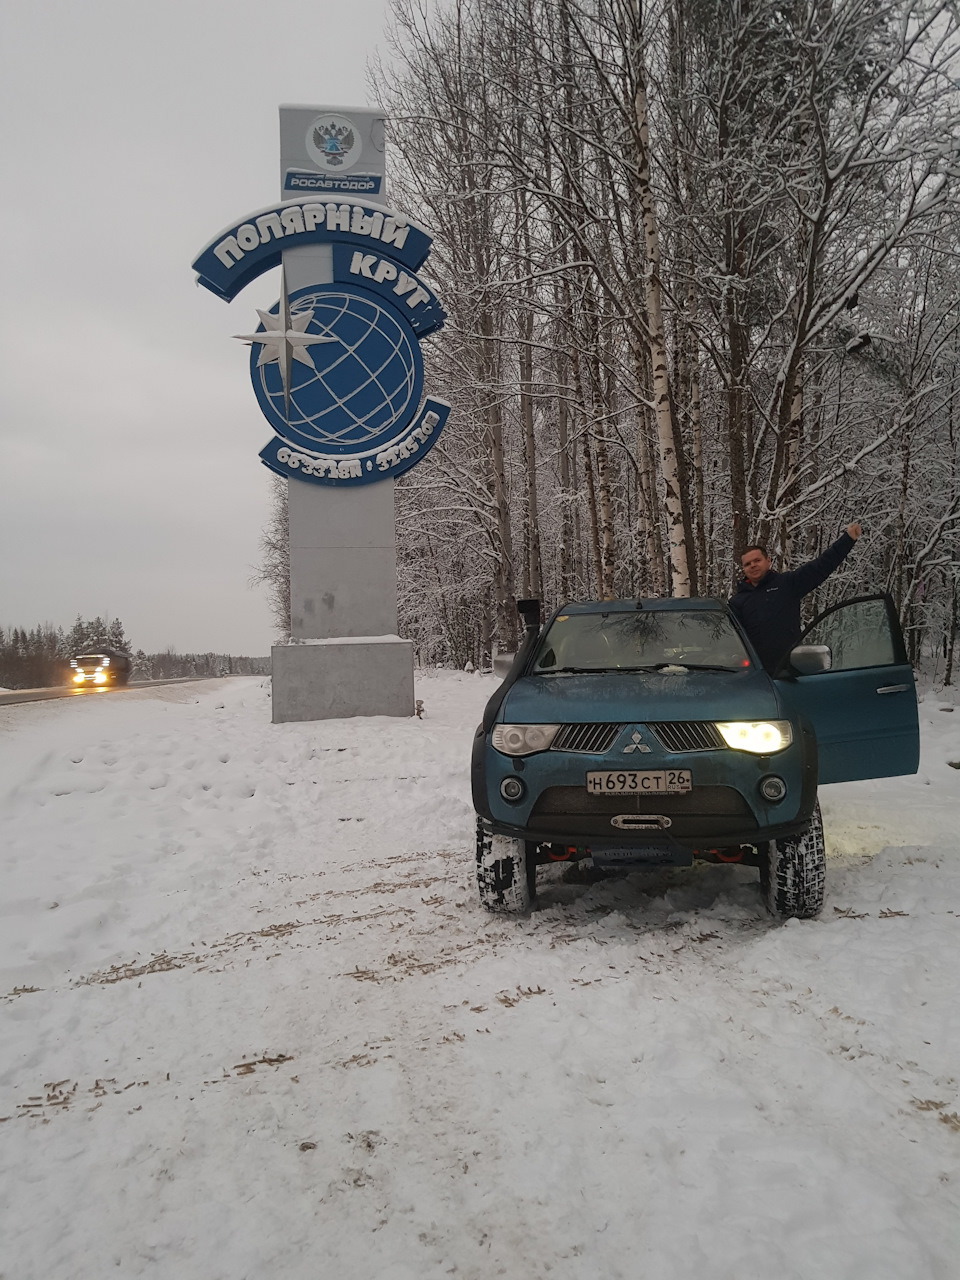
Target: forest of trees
{"type": "Point", "coordinates": [40, 659]}
{"type": "Point", "coordinates": [700, 260]}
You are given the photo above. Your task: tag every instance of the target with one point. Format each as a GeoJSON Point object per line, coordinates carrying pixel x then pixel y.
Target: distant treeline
{"type": "Point", "coordinates": [168, 665]}
{"type": "Point", "coordinates": [40, 659]}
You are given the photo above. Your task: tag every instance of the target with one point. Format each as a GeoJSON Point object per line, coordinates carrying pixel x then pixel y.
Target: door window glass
{"type": "Point", "coordinates": [858, 634]}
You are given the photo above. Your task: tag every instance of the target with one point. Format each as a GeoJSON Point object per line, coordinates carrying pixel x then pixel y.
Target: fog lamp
{"type": "Point", "coordinates": [772, 787]}
{"type": "Point", "coordinates": [512, 789]}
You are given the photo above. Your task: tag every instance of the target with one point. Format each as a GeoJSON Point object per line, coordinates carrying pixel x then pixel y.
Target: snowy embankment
{"type": "Point", "coordinates": [254, 1022]}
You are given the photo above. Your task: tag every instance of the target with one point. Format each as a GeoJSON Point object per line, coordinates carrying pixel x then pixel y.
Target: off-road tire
{"type": "Point", "coordinates": [793, 873]}
{"type": "Point", "coordinates": [506, 872]}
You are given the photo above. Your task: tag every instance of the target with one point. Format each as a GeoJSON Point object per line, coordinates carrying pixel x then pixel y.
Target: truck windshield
{"type": "Point", "coordinates": [89, 660]}
{"type": "Point", "coordinates": [645, 640]}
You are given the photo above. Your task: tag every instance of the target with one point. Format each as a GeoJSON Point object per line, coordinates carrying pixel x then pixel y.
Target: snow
{"type": "Point", "coordinates": [256, 1023]}
{"type": "Point", "coordinates": [338, 640]}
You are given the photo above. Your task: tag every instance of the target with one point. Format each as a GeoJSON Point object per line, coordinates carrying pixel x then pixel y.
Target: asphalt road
{"type": "Point", "coordinates": [68, 691]}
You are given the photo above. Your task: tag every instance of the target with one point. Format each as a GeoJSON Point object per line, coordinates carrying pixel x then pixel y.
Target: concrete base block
{"type": "Point", "coordinates": [330, 679]}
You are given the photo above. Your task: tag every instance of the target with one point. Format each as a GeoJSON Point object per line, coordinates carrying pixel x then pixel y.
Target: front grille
{"type": "Point", "coordinates": [704, 813]}
{"type": "Point", "coordinates": [705, 800]}
{"type": "Point", "coordinates": [592, 738]}
{"type": "Point", "coordinates": [688, 735]}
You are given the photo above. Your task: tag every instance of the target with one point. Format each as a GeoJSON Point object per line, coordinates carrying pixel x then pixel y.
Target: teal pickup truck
{"type": "Point", "coordinates": [645, 733]}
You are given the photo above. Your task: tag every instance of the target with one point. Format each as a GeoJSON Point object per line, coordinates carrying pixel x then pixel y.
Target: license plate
{"type": "Point", "coordinates": [639, 782]}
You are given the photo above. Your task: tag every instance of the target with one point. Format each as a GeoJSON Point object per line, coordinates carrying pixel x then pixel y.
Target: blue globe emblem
{"type": "Point", "coordinates": [362, 384]}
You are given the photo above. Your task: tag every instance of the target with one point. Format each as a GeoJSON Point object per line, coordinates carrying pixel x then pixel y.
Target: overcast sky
{"type": "Point", "coordinates": [132, 133]}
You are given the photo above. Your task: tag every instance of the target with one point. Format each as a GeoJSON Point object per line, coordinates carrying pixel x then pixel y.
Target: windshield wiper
{"type": "Point", "coordinates": [650, 669]}
{"type": "Point", "coordinates": [579, 671]}
{"type": "Point", "coordinates": [704, 666]}
{"type": "Point", "coordinates": [605, 671]}
{"type": "Point", "coordinates": [680, 666]}
{"type": "Point", "coordinates": [653, 667]}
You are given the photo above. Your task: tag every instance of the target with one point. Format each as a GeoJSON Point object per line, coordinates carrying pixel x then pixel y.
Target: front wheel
{"type": "Point", "coordinates": [506, 872]}
{"type": "Point", "coordinates": [793, 873]}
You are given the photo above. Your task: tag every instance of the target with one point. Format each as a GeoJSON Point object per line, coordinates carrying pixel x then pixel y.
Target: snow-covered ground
{"type": "Point", "coordinates": [255, 1023]}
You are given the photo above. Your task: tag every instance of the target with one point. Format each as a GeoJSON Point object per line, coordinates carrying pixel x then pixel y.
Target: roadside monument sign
{"type": "Point", "coordinates": [338, 374]}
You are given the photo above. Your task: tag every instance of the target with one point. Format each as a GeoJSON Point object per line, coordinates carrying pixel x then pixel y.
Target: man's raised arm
{"type": "Point", "coordinates": [810, 575]}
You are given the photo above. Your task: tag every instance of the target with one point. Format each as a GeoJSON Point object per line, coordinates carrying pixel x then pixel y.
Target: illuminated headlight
{"type": "Point", "coordinates": [99, 678]}
{"type": "Point", "coordinates": [762, 737]}
{"type": "Point", "coordinates": [523, 739]}
{"type": "Point", "coordinates": [78, 678]}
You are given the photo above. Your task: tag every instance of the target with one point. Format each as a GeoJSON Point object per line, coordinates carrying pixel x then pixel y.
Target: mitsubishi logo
{"type": "Point", "coordinates": [636, 743]}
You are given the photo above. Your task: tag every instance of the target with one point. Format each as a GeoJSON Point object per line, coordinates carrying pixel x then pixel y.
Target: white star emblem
{"type": "Point", "coordinates": [283, 339]}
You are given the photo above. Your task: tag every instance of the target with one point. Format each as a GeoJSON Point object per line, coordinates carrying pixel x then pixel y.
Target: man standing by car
{"type": "Point", "coordinates": [768, 603]}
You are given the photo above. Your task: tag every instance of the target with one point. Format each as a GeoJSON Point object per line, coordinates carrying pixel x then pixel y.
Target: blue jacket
{"type": "Point", "coordinates": [770, 610]}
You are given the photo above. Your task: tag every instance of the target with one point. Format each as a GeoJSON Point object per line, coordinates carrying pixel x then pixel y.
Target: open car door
{"type": "Point", "coordinates": [864, 708]}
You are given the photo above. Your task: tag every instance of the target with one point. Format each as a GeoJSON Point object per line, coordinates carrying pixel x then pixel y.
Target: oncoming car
{"type": "Point", "coordinates": [100, 668]}
{"type": "Point", "coordinates": [646, 733]}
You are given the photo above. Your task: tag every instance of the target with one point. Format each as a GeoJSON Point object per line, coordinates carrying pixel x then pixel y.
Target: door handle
{"type": "Point", "coordinates": [894, 688]}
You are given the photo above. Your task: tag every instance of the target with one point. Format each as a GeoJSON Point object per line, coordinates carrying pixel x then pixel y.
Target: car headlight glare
{"type": "Point", "coordinates": [523, 739]}
{"type": "Point", "coordinates": [761, 737]}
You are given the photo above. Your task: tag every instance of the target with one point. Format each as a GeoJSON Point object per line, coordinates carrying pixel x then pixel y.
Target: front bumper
{"type": "Point", "coordinates": [725, 806]}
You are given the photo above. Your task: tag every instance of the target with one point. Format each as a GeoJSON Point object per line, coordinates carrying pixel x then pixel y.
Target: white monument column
{"type": "Point", "coordinates": [338, 373]}
{"type": "Point", "coordinates": [345, 657]}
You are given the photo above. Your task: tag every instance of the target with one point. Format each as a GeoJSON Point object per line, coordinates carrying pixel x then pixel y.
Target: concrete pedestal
{"type": "Point", "coordinates": [346, 659]}
{"type": "Point", "coordinates": [330, 679]}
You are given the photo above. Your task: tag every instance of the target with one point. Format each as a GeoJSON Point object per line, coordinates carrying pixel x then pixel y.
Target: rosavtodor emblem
{"type": "Point", "coordinates": [333, 142]}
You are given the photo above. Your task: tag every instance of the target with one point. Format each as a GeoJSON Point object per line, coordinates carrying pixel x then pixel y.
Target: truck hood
{"type": "Point", "coordinates": [636, 697]}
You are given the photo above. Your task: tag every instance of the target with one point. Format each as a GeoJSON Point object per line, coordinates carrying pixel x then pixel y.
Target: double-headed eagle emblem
{"type": "Point", "coordinates": [335, 141]}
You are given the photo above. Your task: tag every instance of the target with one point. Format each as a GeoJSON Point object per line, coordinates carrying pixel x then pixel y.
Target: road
{"type": "Point", "coordinates": [11, 696]}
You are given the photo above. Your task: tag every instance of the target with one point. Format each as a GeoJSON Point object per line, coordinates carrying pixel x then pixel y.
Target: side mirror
{"type": "Point", "coordinates": [502, 662]}
{"type": "Point", "coordinates": [811, 659]}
